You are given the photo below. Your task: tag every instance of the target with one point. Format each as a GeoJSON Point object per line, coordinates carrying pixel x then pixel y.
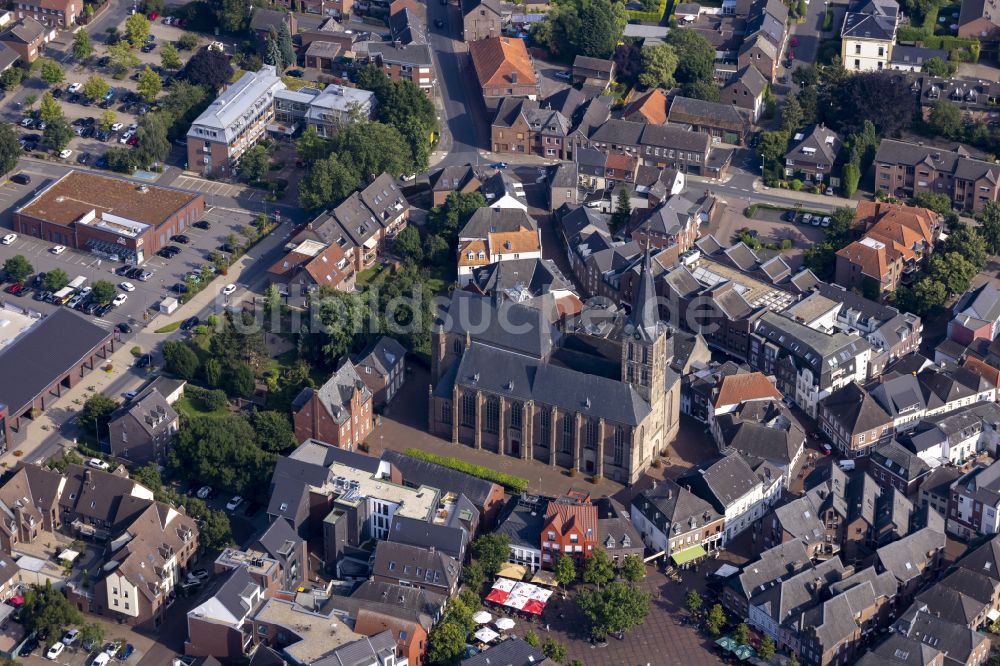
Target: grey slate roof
{"type": "Point", "coordinates": [783, 560]}
{"type": "Point", "coordinates": [667, 504]}
{"type": "Point", "coordinates": [751, 78]}
{"type": "Point", "coordinates": [418, 472]}
{"type": "Point", "coordinates": [367, 650]}
{"type": "Point", "coordinates": [675, 138]}
{"type": "Point", "coordinates": [818, 145]}
{"type": "Point", "coordinates": [511, 652]}
{"type": "Point", "coordinates": [449, 540]}
{"type": "Point", "coordinates": [713, 114]}
{"type": "Point", "coordinates": [536, 276]}
{"type": "Point", "coordinates": [899, 460]}
{"type": "Point", "coordinates": [264, 19]}
{"type": "Point", "coordinates": [415, 564]}
{"type": "Point", "coordinates": [508, 373]}
{"type": "Point", "coordinates": [979, 307]}
{"type": "Point", "coordinates": [855, 409]}
{"type": "Point", "coordinates": [385, 353]}
{"type": "Point", "coordinates": [900, 650]}
{"type": "Point", "coordinates": [414, 55]}
{"type": "Point", "coordinates": [723, 482]}
{"type": "Point", "coordinates": [150, 410]}
{"type": "Point", "coordinates": [957, 641]}
{"type": "Point", "coordinates": [514, 327]}
{"type": "Point", "coordinates": [906, 557]}
{"type": "Point", "coordinates": [521, 521]}
{"type": "Point", "coordinates": [487, 220]}
{"type": "Point", "coordinates": [44, 353]}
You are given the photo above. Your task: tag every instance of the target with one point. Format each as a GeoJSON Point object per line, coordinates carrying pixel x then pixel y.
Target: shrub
{"type": "Point", "coordinates": [514, 484]}
{"type": "Point", "coordinates": [786, 244]}
{"type": "Point", "coordinates": [207, 400]}
{"type": "Point", "coordinates": [136, 351]}
{"type": "Point", "coordinates": [796, 184]}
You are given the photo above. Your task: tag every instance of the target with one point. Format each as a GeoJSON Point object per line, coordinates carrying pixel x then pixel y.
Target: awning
{"type": "Point", "coordinates": [487, 635]}
{"type": "Point", "coordinates": [504, 584]}
{"type": "Point", "coordinates": [992, 614]}
{"type": "Point", "coordinates": [688, 555]}
{"type": "Point", "coordinates": [497, 596]}
{"type": "Point", "coordinates": [512, 571]}
{"type": "Point", "coordinates": [68, 555]}
{"type": "Point", "coordinates": [726, 643]}
{"type": "Point", "coordinates": [544, 577]}
{"type": "Point", "coordinates": [371, 243]}
{"type": "Point", "coordinates": [726, 570]}
{"type": "Point", "coordinates": [744, 652]}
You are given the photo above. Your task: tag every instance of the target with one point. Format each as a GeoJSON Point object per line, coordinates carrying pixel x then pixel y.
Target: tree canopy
{"type": "Point", "coordinates": [615, 608]}
{"type": "Point", "coordinates": [210, 68]}
{"type": "Point", "coordinates": [47, 611]}
{"type": "Point", "coordinates": [582, 27]}
{"type": "Point", "coordinates": [95, 413]}
{"type": "Point", "coordinates": [696, 56]}
{"type": "Point", "coordinates": [10, 149]}
{"type": "Point", "coordinates": [18, 268]}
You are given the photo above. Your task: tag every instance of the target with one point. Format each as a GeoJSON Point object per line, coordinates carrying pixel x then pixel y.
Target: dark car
{"type": "Point", "coordinates": [121, 271]}
{"type": "Point", "coordinates": [102, 161]}
{"type": "Point", "coordinates": [143, 361]}
{"type": "Point", "coordinates": [226, 247]}
{"type": "Point", "coordinates": [83, 158]}
{"type": "Point", "coordinates": [180, 238]}
{"type": "Point", "coordinates": [788, 216]}
{"type": "Point", "coordinates": [29, 646]}
{"type": "Point", "coordinates": [42, 295]}
{"type": "Point", "coordinates": [126, 651]}
{"type": "Point", "coordinates": [133, 273]}
{"type": "Point", "coordinates": [190, 323]}
{"type": "Point", "coordinates": [201, 224]}
{"type": "Point", "coordinates": [103, 310]}
{"type": "Point", "coordinates": [297, 73]}
{"type": "Point", "coordinates": [124, 328]}
{"type": "Point", "coordinates": [179, 288]}
{"type": "Point", "coordinates": [57, 93]}
{"type": "Point", "coordinates": [21, 179]}
{"type": "Point", "coordinates": [38, 280]}
{"type": "Point", "coordinates": [148, 48]}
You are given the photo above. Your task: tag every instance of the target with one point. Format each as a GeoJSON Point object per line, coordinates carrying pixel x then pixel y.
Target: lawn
{"type": "Point", "coordinates": [187, 408]}
{"type": "Point", "coordinates": [367, 276]}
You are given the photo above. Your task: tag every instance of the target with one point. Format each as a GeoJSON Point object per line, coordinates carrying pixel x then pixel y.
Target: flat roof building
{"type": "Point", "coordinates": [110, 217]}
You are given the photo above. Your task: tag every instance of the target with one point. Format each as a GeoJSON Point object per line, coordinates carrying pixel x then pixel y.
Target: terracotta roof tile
{"type": "Point", "coordinates": [652, 107]}
{"type": "Point", "coordinates": [982, 369]}
{"type": "Point", "coordinates": [497, 58]}
{"type": "Point", "coordinates": [520, 241]}
{"type": "Point", "coordinates": [735, 389]}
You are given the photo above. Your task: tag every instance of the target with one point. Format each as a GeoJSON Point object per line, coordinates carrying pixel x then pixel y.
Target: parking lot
{"type": "Point", "coordinates": [770, 229]}
{"type": "Point", "coordinates": [147, 295]}
{"type": "Point", "coordinates": [77, 656]}
{"type": "Point", "coordinates": [75, 106]}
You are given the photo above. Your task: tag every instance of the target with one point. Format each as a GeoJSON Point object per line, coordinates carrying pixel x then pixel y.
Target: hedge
{"type": "Point", "coordinates": [513, 484]}
{"type": "Point", "coordinates": [648, 17]}
{"type": "Point", "coordinates": [968, 48]}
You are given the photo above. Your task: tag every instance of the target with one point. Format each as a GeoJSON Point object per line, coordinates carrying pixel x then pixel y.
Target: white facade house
{"type": "Point", "coordinates": [868, 35]}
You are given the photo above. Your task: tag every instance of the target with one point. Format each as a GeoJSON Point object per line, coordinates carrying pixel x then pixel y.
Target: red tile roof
{"type": "Point", "coordinates": [497, 59]}
{"type": "Point", "coordinates": [735, 389]}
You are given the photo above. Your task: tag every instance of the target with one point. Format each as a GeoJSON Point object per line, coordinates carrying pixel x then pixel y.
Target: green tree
{"type": "Point", "coordinates": [11, 78]}
{"type": "Point", "coordinates": [582, 27]}
{"type": "Point", "coordinates": [554, 650]}
{"type": "Point", "coordinates": [693, 601]}
{"type": "Point", "coordinates": [46, 611]}
{"type": "Point", "coordinates": [18, 268]}
{"type": "Point", "coordinates": [968, 243]}
{"type": "Point", "coordinates": [369, 148]}
{"type": "Point", "coordinates": [107, 119]}
{"type": "Point", "coordinates": [715, 620]}
{"type": "Point", "coordinates": [179, 359]}
{"type": "Point", "coordinates": [82, 48]}
{"type": "Point", "coordinates": [658, 66]}
{"type": "Point", "coordinates": [137, 29]}
{"type": "Point", "coordinates": [447, 219]}
{"type": "Point", "coordinates": [939, 203]}
{"type": "Point", "coordinates": [565, 570]}
{"type": "Point", "coordinates": [56, 279]}
{"type": "Point", "coordinates": [10, 149]}
{"type": "Point", "coordinates": [989, 226]}
{"type": "Point", "coordinates": [633, 569]}
{"type": "Point", "coordinates": [52, 72]}
{"type": "Point", "coordinates": [473, 576]}
{"type": "Point", "coordinates": [239, 381]}
{"type": "Point", "coordinates": [616, 608]}
{"type": "Point", "coordinates": [122, 57]}
{"type": "Point", "coordinates": [940, 67]}
{"type": "Point", "coordinates": [92, 633]}
{"type": "Point", "coordinates": [233, 15]}
{"type": "Point", "coordinates": [598, 568]}
{"type": "Point", "coordinates": [793, 660]}
{"type": "Point", "coordinates": [772, 147]}
{"type": "Point", "coordinates": [149, 84]}
{"type": "Point", "coordinates": [953, 271]}
{"type": "Point", "coordinates": [946, 119]}
{"type": "Point", "coordinates": [492, 550]}
{"type": "Point", "coordinates": [121, 160]}
{"type": "Point", "coordinates": [215, 532]}
{"type": "Point", "coordinates": [286, 47]}
{"type": "Point", "coordinates": [623, 210]}
{"type": "Point", "coordinates": [224, 452]}
{"type": "Point", "coordinates": [187, 42]}
{"type": "Point", "coordinates": [95, 412]}
{"type": "Point", "coordinates": [272, 52]}
{"type": "Point", "coordinates": [698, 63]}
{"type": "Point", "coordinates": [446, 643]}
{"type": "Point", "coordinates": [254, 163]}
{"type": "Point", "coordinates": [704, 90]}
{"type": "Point", "coordinates": [742, 634]}
{"type": "Point", "coordinates": [273, 430]}
{"type": "Point", "coordinates": [327, 183]}
{"type": "Point", "coordinates": [49, 109]}
{"type": "Point", "coordinates": [95, 88]}
{"type": "Point", "coordinates": [531, 638]}
{"type": "Point", "coordinates": [153, 142]}
{"type": "Point", "coordinates": [213, 372]}
{"type": "Point", "coordinates": [170, 58]}
{"type": "Point", "coordinates": [102, 291]}
{"type": "Point", "coordinates": [766, 649]}
{"type": "Point", "coordinates": [311, 147]}
{"type": "Point", "coordinates": [791, 114]}
{"type": "Point", "coordinates": [407, 244]}
{"type": "Point", "coordinates": [852, 176]}
{"type": "Point", "coordinates": [149, 476]}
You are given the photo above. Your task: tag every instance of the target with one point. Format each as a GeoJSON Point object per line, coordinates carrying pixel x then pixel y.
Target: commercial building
{"type": "Point", "coordinates": [53, 13]}
{"type": "Point", "coordinates": [325, 110]}
{"type": "Point", "coordinates": [109, 217]}
{"type": "Point", "coordinates": [235, 122]}
{"type": "Point", "coordinates": [405, 62]}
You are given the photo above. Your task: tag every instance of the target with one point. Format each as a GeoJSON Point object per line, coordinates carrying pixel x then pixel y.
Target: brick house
{"type": "Point", "coordinates": [381, 367]}
{"type": "Point", "coordinates": [338, 413]}
{"type": "Point", "coordinates": [53, 13]}
{"type": "Point", "coordinates": [569, 528]}
{"type": "Point", "coordinates": [480, 19]}
{"type": "Point", "coordinates": [895, 466]}
{"type": "Point", "coordinates": [141, 430]}
{"type": "Point", "coordinates": [979, 19]}
{"type": "Point", "coordinates": [746, 90]}
{"type": "Point", "coordinates": [503, 69]}
{"type": "Point", "coordinates": [814, 153]}
{"type": "Point", "coordinates": [26, 38]}
{"type": "Point", "coordinates": [905, 169]}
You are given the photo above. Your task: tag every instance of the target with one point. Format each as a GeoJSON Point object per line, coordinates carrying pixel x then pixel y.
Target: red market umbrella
{"type": "Point", "coordinates": [497, 596]}
{"type": "Point", "coordinates": [534, 606]}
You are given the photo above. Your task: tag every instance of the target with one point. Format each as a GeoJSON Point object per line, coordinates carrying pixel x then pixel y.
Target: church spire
{"type": "Point", "coordinates": [498, 294]}
{"type": "Point", "coordinates": [644, 318]}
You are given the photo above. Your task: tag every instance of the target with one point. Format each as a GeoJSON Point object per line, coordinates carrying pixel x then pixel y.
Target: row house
{"type": "Point", "coordinates": [747, 89]}
{"type": "Point", "coordinates": [976, 99]}
{"type": "Point", "coordinates": [974, 505]}
{"type": "Point", "coordinates": [495, 235]}
{"type": "Point", "coordinates": [677, 523]}
{"type": "Point", "coordinates": [662, 146]}
{"type": "Point", "coordinates": [809, 364]}
{"type": "Point", "coordinates": [60, 14]}
{"type": "Point", "coordinates": [854, 421]}
{"type": "Point", "coordinates": [503, 69]}
{"type": "Point", "coordinates": [915, 560]}
{"type": "Point", "coordinates": [895, 466]}
{"type": "Point", "coordinates": [727, 123]}
{"type": "Point", "coordinates": [739, 492]}
{"type": "Point", "coordinates": [905, 169]}
{"type": "Point", "coordinates": [896, 242]}
{"type": "Point", "coordinates": [569, 528]}
{"type": "Point", "coordinates": [976, 315]}
{"type": "Point", "coordinates": [365, 222]}
{"type": "Point", "coordinates": [764, 37]}
{"type": "Point", "coordinates": [523, 126]}
{"type": "Point", "coordinates": [957, 436]}
{"type": "Point", "coordinates": [405, 62]}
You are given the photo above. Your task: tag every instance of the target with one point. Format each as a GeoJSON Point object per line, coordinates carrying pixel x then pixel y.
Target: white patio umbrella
{"type": "Point", "coordinates": [504, 624]}
{"type": "Point", "coordinates": [487, 635]}
{"type": "Point", "coordinates": [482, 617]}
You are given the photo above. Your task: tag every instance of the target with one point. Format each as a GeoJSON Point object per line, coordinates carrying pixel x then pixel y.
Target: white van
{"type": "Point", "coordinates": [846, 465]}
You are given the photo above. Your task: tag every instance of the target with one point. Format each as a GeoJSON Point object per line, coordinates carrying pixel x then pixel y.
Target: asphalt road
{"type": "Point", "coordinates": [465, 113]}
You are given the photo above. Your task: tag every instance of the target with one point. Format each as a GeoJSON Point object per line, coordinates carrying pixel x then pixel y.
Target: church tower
{"type": "Point", "coordinates": [644, 341]}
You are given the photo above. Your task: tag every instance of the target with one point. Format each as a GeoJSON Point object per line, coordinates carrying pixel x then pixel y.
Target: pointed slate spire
{"type": "Point", "coordinates": [645, 316]}
{"type": "Point", "coordinates": [497, 294]}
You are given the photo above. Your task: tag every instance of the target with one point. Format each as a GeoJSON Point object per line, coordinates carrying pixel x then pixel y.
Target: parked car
{"type": "Point", "coordinates": [8, 239]}
{"type": "Point", "coordinates": [180, 238]}
{"type": "Point", "coordinates": [124, 328]}
{"type": "Point", "coordinates": [234, 503]}
{"type": "Point", "coordinates": [201, 224]}
{"type": "Point", "coordinates": [199, 574]}
{"type": "Point", "coordinates": [58, 249]}
{"type": "Point", "coordinates": [190, 323]}
{"type": "Point", "coordinates": [806, 219]}
{"type": "Point", "coordinates": [122, 271]}
{"type": "Point", "coordinates": [100, 660]}
{"type": "Point", "coordinates": [83, 158]}
{"type": "Point", "coordinates": [97, 463]}
{"type": "Point", "coordinates": [228, 290]}
{"type": "Point", "coordinates": [127, 286]}
{"type": "Point", "coordinates": [564, 75]}
{"type": "Point", "coordinates": [144, 276]}
{"type": "Point", "coordinates": [74, 87]}
{"type": "Point", "coordinates": [21, 179]}
{"type": "Point", "coordinates": [179, 288]}
{"type": "Point", "coordinates": [104, 309]}
{"type": "Point", "coordinates": [144, 361]}
{"type": "Point", "coordinates": [788, 216]}
{"type": "Point", "coordinates": [53, 652]}
{"type": "Point", "coordinates": [119, 300]}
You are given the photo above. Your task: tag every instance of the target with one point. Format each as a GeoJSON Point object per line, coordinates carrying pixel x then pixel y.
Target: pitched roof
{"type": "Point", "coordinates": [855, 409]}
{"type": "Point", "coordinates": [511, 652]}
{"type": "Point", "coordinates": [413, 564]}
{"type": "Point", "coordinates": [742, 387]}
{"type": "Point", "coordinates": [25, 31]}
{"type": "Point", "coordinates": [751, 78]}
{"type": "Point", "coordinates": [715, 114]}
{"type": "Point", "coordinates": [651, 107]}
{"type": "Point", "coordinates": [417, 472]}
{"type": "Point", "coordinates": [724, 481]}
{"type": "Point", "coordinates": [501, 60]}
{"type": "Point", "coordinates": [906, 558]}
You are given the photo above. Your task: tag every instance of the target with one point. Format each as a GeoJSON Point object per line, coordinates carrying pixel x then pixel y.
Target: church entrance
{"type": "Point", "coordinates": [515, 448]}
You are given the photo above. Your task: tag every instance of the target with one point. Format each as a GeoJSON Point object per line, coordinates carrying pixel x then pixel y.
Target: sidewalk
{"type": "Point", "coordinates": [799, 197]}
